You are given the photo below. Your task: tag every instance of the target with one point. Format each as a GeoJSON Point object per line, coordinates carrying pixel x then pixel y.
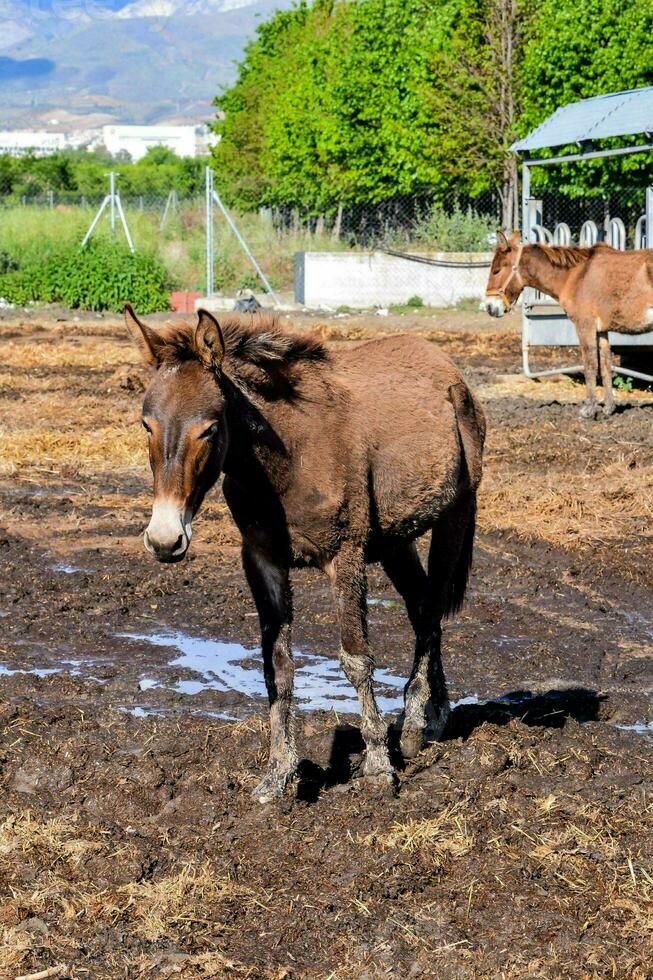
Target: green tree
{"type": "Point", "coordinates": [330, 107]}
{"type": "Point", "coordinates": [385, 126]}
{"type": "Point", "coordinates": [579, 50]}
{"type": "Point", "coordinates": [301, 130]}
{"type": "Point", "coordinates": [476, 97]}
{"type": "Point", "coordinates": [245, 109]}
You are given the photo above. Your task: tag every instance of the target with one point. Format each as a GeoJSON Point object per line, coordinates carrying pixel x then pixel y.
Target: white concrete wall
{"type": "Point", "coordinates": [367, 279]}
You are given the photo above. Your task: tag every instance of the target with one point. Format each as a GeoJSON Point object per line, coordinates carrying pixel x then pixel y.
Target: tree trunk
{"type": "Point", "coordinates": [335, 234]}
{"type": "Point", "coordinates": [509, 195]}
{"type": "Point", "coordinates": [517, 202]}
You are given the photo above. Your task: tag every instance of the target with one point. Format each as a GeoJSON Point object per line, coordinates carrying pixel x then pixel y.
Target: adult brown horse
{"type": "Point", "coordinates": [599, 288]}
{"type": "Point", "coordinates": [330, 460]}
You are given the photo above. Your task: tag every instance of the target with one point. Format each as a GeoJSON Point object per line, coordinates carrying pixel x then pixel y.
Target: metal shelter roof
{"type": "Point", "coordinates": [618, 114]}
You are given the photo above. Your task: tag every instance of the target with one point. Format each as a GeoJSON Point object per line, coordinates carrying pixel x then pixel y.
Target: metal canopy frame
{"type": "Point", "coordinates": [552, 326]}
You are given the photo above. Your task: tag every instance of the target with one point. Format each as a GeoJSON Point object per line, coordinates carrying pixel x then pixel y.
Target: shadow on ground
{"type": "Point", "coordinates": [551, 709]}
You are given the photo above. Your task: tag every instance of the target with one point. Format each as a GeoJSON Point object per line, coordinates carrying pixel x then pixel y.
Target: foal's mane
{"type": "Point", "coordinates": [567, 256]}
{"type": "Point", "coordinates": [259, 352]}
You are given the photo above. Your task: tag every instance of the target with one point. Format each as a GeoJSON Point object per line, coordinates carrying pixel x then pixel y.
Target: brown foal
{"type": "Point", "coordinates": [331, 461]}
{"type": "Point", "coordinates": [599, 288]}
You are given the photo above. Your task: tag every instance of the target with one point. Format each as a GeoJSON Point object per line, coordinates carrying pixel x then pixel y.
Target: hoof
{"type": "Point", "coordinates": [411, 742]}
{"type": "Point", "coordinates": [609, 410]}
{"type": "Point", "coordinates": [589, 412]}
{"type": "Point", "coordinates": [413, 739]}
{"type": "Point", "coordinates": [272, 786]}
{"type": "Point", "coordinates": [381, 784]}
{"type": "Point", "coordinates": [377, 765]}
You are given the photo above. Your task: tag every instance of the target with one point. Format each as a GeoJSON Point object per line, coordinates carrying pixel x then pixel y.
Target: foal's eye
{"type": "Point", "coordinates": [146, 426]}
{"type": "Point", "coordinates": [210, 432]}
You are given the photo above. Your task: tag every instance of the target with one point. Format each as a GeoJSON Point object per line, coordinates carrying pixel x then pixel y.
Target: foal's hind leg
{"type": "Point", "coordinates": [605, 356]}
{"type": "Point", "coordinates": [350, 581]}
{"type": "Point", "coordinates": [587, 338]}
{"type": "Point", "coordinates": [426, 700]}
{"type": "Point", "coordinates": [270, 585]}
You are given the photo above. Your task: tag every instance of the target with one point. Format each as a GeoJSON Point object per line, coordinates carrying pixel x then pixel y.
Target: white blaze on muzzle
{"type": "Point", "coordinates": [169, 531]}
{"type": "Point", "coordinates": [495, 306]}
{"type": "Point", "coordinates": [496, 300]}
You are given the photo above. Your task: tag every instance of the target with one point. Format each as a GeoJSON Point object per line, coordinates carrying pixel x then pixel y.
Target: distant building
{"type": "Point", "coordinates": [185, 141]}
{"type": "Point", "coordinates": [18, 142]}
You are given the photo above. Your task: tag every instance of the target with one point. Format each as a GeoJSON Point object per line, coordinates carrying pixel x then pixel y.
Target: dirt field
{"type": "Point", "coordinates": [132, 725]}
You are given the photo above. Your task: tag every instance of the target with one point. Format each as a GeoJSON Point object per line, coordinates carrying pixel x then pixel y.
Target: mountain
{"type": "Point", "coordinates": [167, 8]}
{"type": "Point", "coordinates": [142, 61]}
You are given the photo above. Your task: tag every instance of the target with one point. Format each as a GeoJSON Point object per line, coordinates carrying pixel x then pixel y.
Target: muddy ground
{"type": "Point", "coordinates": [132, 726]}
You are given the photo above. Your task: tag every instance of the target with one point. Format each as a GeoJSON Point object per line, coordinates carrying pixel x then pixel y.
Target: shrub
{"type": "Point", "coordinates": [415, 301]}
{"type": "Point", "coordinates": [103, 276]}
{"type": "Point", "coordinates": [459, 231]}
{"type": "Point", "coordinates": [249, 280]}
{"type": "Point", "coordinates": [7, 263]}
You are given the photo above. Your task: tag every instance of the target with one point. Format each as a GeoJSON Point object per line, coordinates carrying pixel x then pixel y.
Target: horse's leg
{"type": "Point", "coordinates": [605, 356]}
{"type": "Point", "coordinates": [270, 585]}
{"type": "Point", "coordinates": [350, 582]}
{"type": "Point", "coordinates": [426, 701]}
{"type": "Point", "coordinates": [586, 330]}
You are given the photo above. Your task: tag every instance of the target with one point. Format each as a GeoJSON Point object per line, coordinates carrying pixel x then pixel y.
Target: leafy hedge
{"type": "Point", "coordinates": [458, 231]}
{"type": "Point", "coordinates": [103, 276]}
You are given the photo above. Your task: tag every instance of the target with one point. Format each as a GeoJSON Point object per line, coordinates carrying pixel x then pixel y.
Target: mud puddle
{"type": "Point", "coordinates": [231, 667]}
{"type": "Point", "coordinates": [64, 569]}
{"type": "Point", "coordinates": [74, 668]}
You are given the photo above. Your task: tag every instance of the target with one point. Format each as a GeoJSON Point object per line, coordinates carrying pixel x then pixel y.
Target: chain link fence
{"type": "Point", "coordinates": [422, 250]}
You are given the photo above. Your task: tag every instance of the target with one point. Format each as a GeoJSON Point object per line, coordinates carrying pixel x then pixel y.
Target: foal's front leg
{"type": "Point", "coordinates": [270, 585]}
{"type": "Point", "coordinates": [350, 582]}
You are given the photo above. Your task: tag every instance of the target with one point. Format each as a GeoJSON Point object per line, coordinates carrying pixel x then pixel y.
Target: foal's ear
{"type": "Point", "coordinates": [502, 241]}
{"type": "Point", "coordinates": [515, 238]}
{"type": "Point", "coordinates": [148, 342]}
{"type": "Point", "coordinates": [209, 342]}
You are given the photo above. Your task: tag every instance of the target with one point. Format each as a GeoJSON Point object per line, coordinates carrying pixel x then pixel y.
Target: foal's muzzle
{"type": "Point", "coordinates": [169, 533]}
{"type": "Point", "coordinates": [167, 554]}
{"type": "Point", "coordinates": [495, 306]}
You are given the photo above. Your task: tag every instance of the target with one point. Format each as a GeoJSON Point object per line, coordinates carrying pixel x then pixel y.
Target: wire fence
{"type": "Point", "coordinates": [413, 240]}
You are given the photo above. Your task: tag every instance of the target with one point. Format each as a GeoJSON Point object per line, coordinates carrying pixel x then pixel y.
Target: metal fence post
{"type": "Point", "coordinates": [525, 195]}
{"type": "Point", "coordinates": [112, 191]}
{"type": "Point", "coordinates": [115, 206]}
{"type": "Point", "coordinates": [534, 215]}
{"type": "Point", "coordinates": [210, 256]}
{"type": "Point", "coordinates": [243, 244]}
{"type": "Point", "coordinates": [649, 217]}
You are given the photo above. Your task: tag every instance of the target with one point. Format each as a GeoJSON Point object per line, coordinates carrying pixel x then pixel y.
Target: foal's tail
{"type": "Point", "coordinates": [450, 554]}
{"type": "Point", "coordinates": [470, 420]}
{"type": "Point", "coordinates": [471, 429]}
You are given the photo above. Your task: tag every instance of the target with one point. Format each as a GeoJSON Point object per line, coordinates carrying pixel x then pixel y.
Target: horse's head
{"type": "Point", "coordinates": [184, 417]}
{"type": "Point", "coordinates": [505, 282]}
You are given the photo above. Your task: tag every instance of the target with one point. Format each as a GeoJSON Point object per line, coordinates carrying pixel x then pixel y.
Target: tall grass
{"type": "Point", "coordinates": [33, 233]}
{"type": "Point", "coordinates": [37, 233]}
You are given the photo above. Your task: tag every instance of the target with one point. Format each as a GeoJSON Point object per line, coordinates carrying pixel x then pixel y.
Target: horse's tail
{"type": "Point", "coordinates": [471, 429]}
{"type": "Point", "coordinates": [470, 420]}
